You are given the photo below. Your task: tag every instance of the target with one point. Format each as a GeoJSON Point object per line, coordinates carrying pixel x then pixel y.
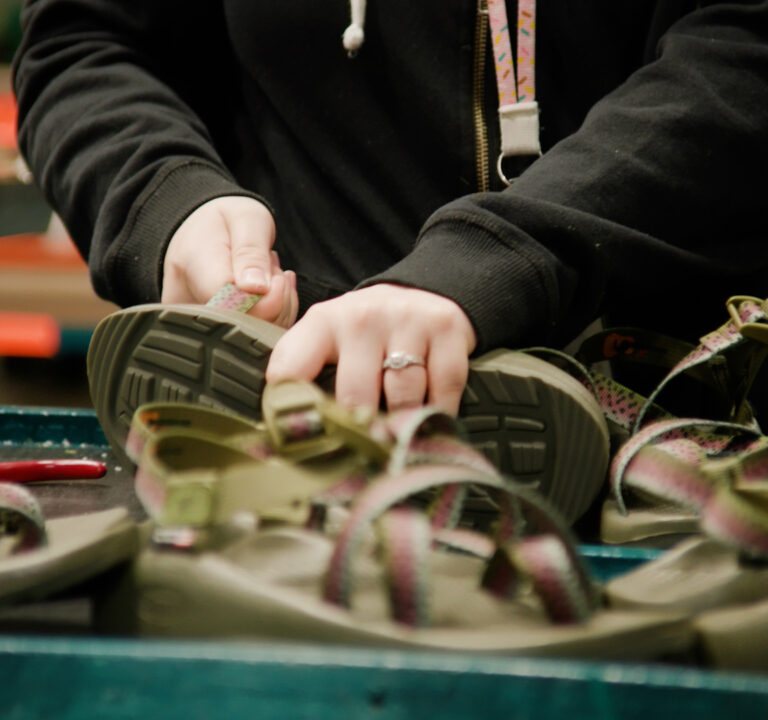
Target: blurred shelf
{"type": "Point", "coordinates": [45, 277]}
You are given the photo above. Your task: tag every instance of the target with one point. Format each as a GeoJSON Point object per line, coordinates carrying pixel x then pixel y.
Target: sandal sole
{"type": "Point", "coordinates": [269, 588]}
{"type": "Point", "coordinates": [532, 420]}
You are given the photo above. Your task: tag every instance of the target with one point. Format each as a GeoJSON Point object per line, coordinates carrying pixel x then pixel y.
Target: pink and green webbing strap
{"type": "Point", "coordinates": [307, 418]}
{"type": "Point", "coordinates": [738, 517]}
{"type": "Point", "coordinates": [674, 472]}
{"type": "Point", "coordinates": [230, 298]}
{"type": "Point", "coordinates": [515, 80]}
{"type": "Point", "coordinates": [664, 459]}
{"type": "Point", "coordinates": [424, 436]}
{"type": "Point", "coordinates": [630, 410]}
{"type": "Point", "coordinates": [750, 312]}
{"type": "Point", "coordinates": [558, 574]}
{"type": "Point", "coordinates": [724, 479]}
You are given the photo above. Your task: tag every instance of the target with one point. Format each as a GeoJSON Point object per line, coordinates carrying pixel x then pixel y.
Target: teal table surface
{"type": "Point", "coordinates": [68, 678]}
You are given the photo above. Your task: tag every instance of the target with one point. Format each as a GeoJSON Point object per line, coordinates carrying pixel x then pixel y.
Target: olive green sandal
{"type": "Point", "coordinates": [733, 638]}
{"type": "Point", "coordinates": [391, 575]}
{"type": "Point", "coordinates": [197, 465]}
{"type": "Point", "coordinates": [299, 421]}
{"type": "Point", "coordinates": [533, 420]}
{"type": "Point", "coordinates": [726, 564]}
{"type": "Point", "coordinates": [39, 558]}
{"type": "Point", "coordinates": [667, 466]}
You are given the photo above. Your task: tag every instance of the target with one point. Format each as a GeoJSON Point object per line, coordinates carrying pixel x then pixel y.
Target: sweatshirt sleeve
{"type": "Point", "coordinates": [110, 126]}
{"type": "Point", "coordinates": [657, 202]}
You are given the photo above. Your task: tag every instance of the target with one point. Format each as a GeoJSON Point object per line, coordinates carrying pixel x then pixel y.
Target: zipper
{"type": "Point", "coordinates": [478, 94]}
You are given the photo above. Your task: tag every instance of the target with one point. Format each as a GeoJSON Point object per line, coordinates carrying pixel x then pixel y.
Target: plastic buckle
{"type": "Point", "coordinates": [188, 503]}
{"type": "Point", "coordinates": [723, 469]}
{"type": "Point", "coordinates": [357, 428]}
{"type": "Point", "coordinates": [752, 330]}
{"type": "Point", "coordinates": [729, 471]}
{"type": "Point", "coordinates": [295, 419]}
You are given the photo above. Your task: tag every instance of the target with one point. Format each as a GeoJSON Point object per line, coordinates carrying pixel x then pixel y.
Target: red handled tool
{"type": "Point", "coordinates": [39, 470]}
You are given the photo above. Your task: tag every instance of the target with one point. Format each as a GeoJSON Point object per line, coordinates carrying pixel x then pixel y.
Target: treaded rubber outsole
{"type": "Point", "coordinates": [538, 425]}
{"type": "Point", "coordinates": [176, 353]}
{"type": "Point", "coordinates": [534, 421]}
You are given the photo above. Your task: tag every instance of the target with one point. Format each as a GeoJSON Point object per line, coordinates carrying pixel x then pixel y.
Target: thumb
{"type": "Point", "coordinates": [252, 234]}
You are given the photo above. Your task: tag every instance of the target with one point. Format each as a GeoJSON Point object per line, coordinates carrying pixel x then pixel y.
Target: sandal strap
{"type": "Point", "coordinates": [570, 364]}
{"type": "Point", "coordinates": [726, 484]}
{"type": "Point", "coordinates": [736, 519]}
{"type": "Point", "coordinates": [628, 409]}
{"type": "Point", "coordinates": [619, 404]}
{"type": "Point", "coordinates": [659, 472]}
{"type": "Point", "coordinates": [303, 431]}
{"type": "Point", "coordinates": [711, 435]}
{"type": "Point", "coordinates": [543, 563]}
{"type": "Point", "coordinates": [389, 491]}
{"type": "Point", "coordinates": [747, 313]}
{"type": "Point", "coordinates": [464, 540]}
{"type": "Point", "coordinates": [445, 510]}
{"type": "Point", "coordinates": [229, 297]}
{"type": "Point", "coordinates": [21, 518]}
{"type": "Point", "coordinates": [647, 347]}
{"type": "Point", "coordinates": [189, 479]}
{"type": "Point", "coordinates": [302, 422]}
{"type": "Point", "coordinates": [153, 418]}
{"type": "Point", "coordinates": [737, 513]}
{"type": "Point", "coordinates": [406, 540]}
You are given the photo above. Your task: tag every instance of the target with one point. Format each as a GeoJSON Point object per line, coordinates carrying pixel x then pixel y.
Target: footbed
{"type": "Point", "coordinates": [268, 585]}
{"type": "Point", "coordinates": [78, 547]}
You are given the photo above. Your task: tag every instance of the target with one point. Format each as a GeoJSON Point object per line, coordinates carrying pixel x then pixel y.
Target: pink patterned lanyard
{"type": "Point", "coordinates": [518, 109]}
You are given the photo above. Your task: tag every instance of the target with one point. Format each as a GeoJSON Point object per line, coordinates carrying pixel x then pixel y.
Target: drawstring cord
{"type": "Point", "coordinates": [354, 35]}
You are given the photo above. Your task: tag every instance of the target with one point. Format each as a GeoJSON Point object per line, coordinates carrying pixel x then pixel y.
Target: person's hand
{"type": "Point", "coordinates": [358, 330]}
{"type": "Point", "coordinates": [229, 240]}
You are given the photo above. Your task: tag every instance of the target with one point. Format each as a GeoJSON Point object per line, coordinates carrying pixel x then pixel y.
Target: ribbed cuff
{"type": "Point", "coordinates": [503, 290]}
{"type": "Point", "coordinates": [135, 270]}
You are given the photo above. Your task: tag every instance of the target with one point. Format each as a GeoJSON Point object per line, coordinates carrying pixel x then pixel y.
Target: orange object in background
{"type": "Point", "coordinates": [29, 335]}
{"type": "Point", "coordinates": [40, 251]}
{"type": "Point", "coordinates": [43, 275]}
{"type": "Point", "coordinates": [7, 120]}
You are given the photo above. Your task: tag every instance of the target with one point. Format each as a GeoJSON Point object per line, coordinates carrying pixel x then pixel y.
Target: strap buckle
{"type": "Point", "coordinates": [752, 330]}
{"type": "Point", "coordinates": [727, 470]}
{"type": "Point", "coordinates": [732, 472]}
{"type": "Point", "coordinates": [303, 422]}
{"type": "Point", "coordinates": [295, 417]}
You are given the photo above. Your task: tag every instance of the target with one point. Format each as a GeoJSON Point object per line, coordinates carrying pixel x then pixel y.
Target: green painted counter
{"type": "Point", "coordinates": [68, 679]}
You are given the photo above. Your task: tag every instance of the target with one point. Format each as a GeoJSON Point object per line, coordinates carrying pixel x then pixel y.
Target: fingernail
{"type": "Point", "coordinates": [256, 278]}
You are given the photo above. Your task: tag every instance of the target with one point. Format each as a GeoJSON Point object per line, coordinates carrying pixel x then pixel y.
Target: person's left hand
{"type": "Point", "coordinates": [358, 330]}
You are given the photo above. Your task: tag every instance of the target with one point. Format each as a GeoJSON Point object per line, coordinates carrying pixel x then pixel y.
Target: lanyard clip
{"type": "Point", "coordinates": [519, 124]}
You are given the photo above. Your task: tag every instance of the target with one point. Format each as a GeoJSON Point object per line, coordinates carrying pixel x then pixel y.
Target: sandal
{"type": "Point", "coordinates": [196, 466]}
{"type": "Point", "coordinates": [733, 638]}
{"type": "Point", "coordinates": [663, 476]}
{"type": "Point", "coordinates": [659, 475]}
{"type": "Point", "coordinates": [522, 588]}
{"type": "Point", "coordinates": [39, 558]}
{"type": "Point", "coordinates": [530, 418]}
{"type": "Point", "coordinates": [727, 563]}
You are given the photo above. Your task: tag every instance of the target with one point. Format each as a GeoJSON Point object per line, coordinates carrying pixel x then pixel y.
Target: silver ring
{"type": "Point", "coordinates": [398, 360]}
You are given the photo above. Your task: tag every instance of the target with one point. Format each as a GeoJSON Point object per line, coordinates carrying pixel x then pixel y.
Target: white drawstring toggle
{"type": "Point", "coordinates": [353, 39]}
{"type": "Point", "coordinates": [354, 35]}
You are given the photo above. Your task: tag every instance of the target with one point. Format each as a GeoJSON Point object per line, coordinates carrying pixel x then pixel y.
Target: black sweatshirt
{"type": "Point", "coordinates": [649, 205]}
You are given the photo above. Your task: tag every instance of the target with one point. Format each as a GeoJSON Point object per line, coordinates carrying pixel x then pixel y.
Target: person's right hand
{"type": "Point", "coordinates": [229, 240]}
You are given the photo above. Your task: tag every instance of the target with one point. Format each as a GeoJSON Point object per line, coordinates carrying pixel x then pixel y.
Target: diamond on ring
{"type": "Point", "coordinates": [398, 360]}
